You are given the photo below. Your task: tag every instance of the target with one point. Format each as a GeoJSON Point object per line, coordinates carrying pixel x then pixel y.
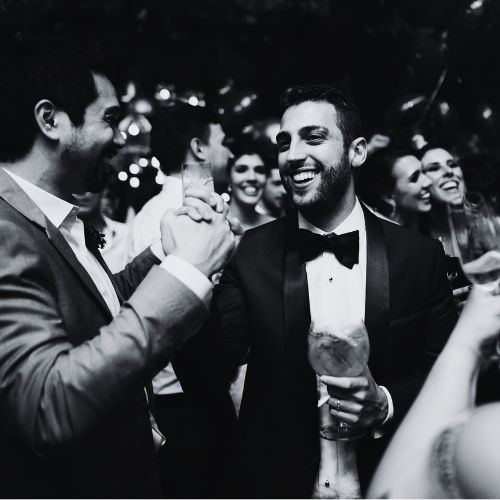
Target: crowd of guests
{"type": "Point", "coordinates": [168, 357]}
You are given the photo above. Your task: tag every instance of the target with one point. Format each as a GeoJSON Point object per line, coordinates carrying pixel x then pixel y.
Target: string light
{"type": "Point", "coordinates": [134, 182]}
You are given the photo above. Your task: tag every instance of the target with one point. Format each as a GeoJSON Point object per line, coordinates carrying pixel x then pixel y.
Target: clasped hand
{"type": "Point", "coordinates": [200, 232]}
{"type": "Point", "coordinates": [357, 401]}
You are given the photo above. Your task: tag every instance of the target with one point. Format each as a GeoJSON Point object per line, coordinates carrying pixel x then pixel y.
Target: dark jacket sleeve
{"type": "Point", "coordinates": [129, 278]}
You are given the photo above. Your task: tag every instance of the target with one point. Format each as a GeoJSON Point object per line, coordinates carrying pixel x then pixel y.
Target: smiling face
{"type": "Point", "coordinates": [312, 158]}
{"type": "Point", "coordinates": [88, 149]}
{"type": "Point", "coordinates": [446, 175]}
{"type": "Point", "coordinates": [247, 179]}
{"type": "Point", "coordinates": [411, 189]}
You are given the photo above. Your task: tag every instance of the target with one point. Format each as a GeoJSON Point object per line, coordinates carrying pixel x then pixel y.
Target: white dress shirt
{"type": "Point", "coordinates": [115, 250]}
{"type": "Point", "coordinates": [337, 296]}
{"type": "Point", "coordinates": [144, 231]}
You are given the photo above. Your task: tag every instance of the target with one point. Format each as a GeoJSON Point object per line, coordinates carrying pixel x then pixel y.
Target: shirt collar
{"type": "Point", "coordinates": [354, 221]}
{"type": "Point", "coordinates": [55, 209]}
{"type": "Point", "coordinates": [171, 182]}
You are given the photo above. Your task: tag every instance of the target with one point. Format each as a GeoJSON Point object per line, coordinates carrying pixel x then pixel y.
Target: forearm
{"type": "Point", "coordinates": [448, 390]}
{"type": "Point", "coordinates": [59, 392]}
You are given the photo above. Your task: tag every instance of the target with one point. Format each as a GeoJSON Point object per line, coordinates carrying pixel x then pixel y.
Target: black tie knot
{"type": "Point", "coordinates": [345, 246]}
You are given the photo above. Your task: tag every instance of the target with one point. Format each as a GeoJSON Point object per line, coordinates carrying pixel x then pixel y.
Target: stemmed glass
{"type": "Point", "coordinates": [475, 234]}
{"type": "Point", "coordinates": [339, 351]}
{"type": "Point", "coordinates": [197, 174]}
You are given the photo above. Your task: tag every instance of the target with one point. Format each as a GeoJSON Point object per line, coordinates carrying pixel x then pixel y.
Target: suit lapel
{"type": "Point", "coordinates": [377, 284]}
{"type": "Point", "coordinates": [20, 201]}
{"type": "Point", "coordinates": [97, 254]}
{"type": "Point", "coordinates": [295, 291]}
{"type": "Point", "coordinates": [62, 246]}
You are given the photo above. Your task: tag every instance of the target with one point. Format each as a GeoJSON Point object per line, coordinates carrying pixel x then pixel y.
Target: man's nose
{"type": "Point", "coordinates": [118, 139]}
{"type": "Point", "coordinates": [296, 152]}
{"type": "Point", "coordinates": [230, 153]}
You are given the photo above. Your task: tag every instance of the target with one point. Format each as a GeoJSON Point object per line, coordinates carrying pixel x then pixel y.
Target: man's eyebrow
{"type": "Point", "coordinates": [313, 128]}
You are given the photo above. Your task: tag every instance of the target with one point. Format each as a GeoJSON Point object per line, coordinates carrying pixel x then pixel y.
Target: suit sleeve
{"type": "Point", "coordinates": [441, 320]}
{"type": "Point", "coordinates": [51, 392]}
{"type": "Point", "coordinates": [131, 276]}
{"type": "Point", "coordinates": [223, 342]}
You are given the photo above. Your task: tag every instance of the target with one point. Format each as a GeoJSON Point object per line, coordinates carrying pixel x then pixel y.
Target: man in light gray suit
{"type": "Point", "coordinates": [78, 344]}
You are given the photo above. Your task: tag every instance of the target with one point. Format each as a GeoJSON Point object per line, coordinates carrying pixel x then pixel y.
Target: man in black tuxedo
{"type": "Point", "coordinates": [389, 277]}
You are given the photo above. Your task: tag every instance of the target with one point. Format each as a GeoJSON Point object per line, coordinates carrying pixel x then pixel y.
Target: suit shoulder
{"type": "Point", "coordinates": [409, 240]}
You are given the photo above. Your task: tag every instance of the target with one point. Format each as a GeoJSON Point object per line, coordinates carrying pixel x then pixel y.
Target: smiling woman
{"type": "Point", "coordinates": [393, 183]}
{"type": "Point", "coordinates": [247, 179]}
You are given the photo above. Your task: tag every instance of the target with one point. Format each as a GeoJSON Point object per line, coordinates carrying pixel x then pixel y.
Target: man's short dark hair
{"type": "Point", "coordinates": [174, 128]}
{"type": "Point", "coordinates": [31, 72]}
{"type": "Point", "coordinates": [348, 117]}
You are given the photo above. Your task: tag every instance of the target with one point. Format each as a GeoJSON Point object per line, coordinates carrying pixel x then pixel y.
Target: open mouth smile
{"type": "Point", "coordinates": [303, 178]}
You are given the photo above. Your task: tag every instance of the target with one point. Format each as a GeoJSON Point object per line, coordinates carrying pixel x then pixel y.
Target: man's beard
{"type": "Point", "coordinates": [79, 162]}
{"type": "Point", "coordinates": [329, 194]}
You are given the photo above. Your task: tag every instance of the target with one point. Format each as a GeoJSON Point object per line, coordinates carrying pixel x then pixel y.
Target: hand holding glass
{"type": "Point", "coordinates": [340, 351]}
{"type": "Point", "coordinates": [475, 232]}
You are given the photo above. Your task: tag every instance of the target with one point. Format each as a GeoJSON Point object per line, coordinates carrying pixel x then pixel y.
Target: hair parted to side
{"type": "Point", "coordinates": [32, 71]}
{"type": "Point", "coordinates": [375, 178]}
{"type": "Point", "coordinates": [246, 146]}
{"type": "Point", "coordinates": [174, 128]}
{"type": "Point", "coordinates": [348, 115]}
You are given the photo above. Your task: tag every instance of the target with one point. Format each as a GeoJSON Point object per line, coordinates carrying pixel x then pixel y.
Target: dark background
{"type": "Point", "coordinates": [389, 54]}
{"type": "Point", "coordinates": [380, 50]}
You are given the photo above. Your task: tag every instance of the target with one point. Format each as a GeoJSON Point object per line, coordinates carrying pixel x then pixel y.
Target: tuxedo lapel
{"type": "Point", "coordinates": [377, 284]}
{"type": "Point", "coordinates": [295, 292]}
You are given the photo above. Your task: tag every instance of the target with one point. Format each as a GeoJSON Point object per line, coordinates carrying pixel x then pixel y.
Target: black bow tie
{"type": "Point", "coordinates": [344, 246]}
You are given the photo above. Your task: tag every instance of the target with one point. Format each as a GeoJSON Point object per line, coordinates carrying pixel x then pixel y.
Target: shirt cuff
{"type": "Point", "coordinates": [186, 273]}
{"type": "Point", "coordinates": [379, 431]}
{"type": "Point", "coordinates": [157, 250]}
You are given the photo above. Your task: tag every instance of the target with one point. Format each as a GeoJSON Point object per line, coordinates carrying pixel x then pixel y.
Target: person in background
{"type": "Point", "coordinates": [274, 197]}
{"type": "Point", "coordinates": [183, 133]}
{"type": "Point", "coordinates": [114, 249]}
{"type": "Point", "coordinates": [447, 447]}
{"type": "Point", "coordinates": [80, 345]}
{"type": "Point", "coordinates": [247, 175]}
{"type": "Point", "coordinates": [447, 187]}
{"type": "Point", "coordinates": [393, 184]}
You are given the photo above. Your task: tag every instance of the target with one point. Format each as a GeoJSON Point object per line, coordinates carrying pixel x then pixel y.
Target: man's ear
{"type": "Point", "coordinates": [357, 152]}
{"type": "Point", "coordinates": [197, 148]}
{"type": "Point", "coordinates": [388, 198]}
{"type": "Point", "coordinates": [46, 119]}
